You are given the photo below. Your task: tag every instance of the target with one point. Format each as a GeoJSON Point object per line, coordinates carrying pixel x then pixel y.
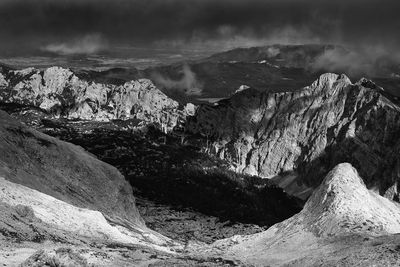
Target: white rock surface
{"type": "Point", "coordinates": [61, 215]}
{"type": "Point", "coordinates": [341, 206]}
{"type": "Point", "coordinates": [60, 92]}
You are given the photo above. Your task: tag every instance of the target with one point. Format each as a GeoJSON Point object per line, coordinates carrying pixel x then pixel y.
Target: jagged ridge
{"type": "Point", "coordinates": [60, 92]}
{"type": "Point", "coordinates": [305, 133]}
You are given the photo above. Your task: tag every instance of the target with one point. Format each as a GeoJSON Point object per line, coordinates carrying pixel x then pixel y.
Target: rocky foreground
{"type": "Point", "coordinates": [55, 192]}
{"type": "Point", "coordinates": [61, 206]}
{"type": "Point", "coordinates": [44, 220]}
{"type": "Point", "coordinates": [41, 226]}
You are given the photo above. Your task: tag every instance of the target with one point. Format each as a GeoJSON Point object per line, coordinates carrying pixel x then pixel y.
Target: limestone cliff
{"type": "Point", "coordinates": [61, 93]}
{"type": "Point", "coordinates": [297, 137]}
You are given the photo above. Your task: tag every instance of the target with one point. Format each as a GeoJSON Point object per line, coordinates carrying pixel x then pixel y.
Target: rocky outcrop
{"type": "Point", "coordinates": [331, 218]}
{"type": "Point", "coordinates": [303, 134]}
{"type": "Point", "coordinates": [61, 93]}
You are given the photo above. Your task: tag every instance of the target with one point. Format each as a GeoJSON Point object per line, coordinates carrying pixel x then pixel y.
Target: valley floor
{"type": "Point", "coordinates": [54, 254]}
{"type": "Point", "coordinates": [188, 226]}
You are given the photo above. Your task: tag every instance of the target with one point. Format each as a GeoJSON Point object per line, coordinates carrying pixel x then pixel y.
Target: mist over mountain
{"type": "Point", "coordinates": [88, 44]}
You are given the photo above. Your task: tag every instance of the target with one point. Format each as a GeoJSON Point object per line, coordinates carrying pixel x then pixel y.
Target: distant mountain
{"type": "Point", "coordinates": [296, 137]}
{"type": "Point", "coordinates": [274, 68]}
{"type": "Point", "coordinates": [221, 79]}
{"type": "Point", "coordinates": [288, 56]}
{"type": "Point", "coordinates": [59, 92]}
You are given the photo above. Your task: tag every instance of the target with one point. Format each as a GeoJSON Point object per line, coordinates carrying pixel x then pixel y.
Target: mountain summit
{"type": "Point", "coordinates": [335, 225]}
{"type": "Point", "coordinates": [297, 137]}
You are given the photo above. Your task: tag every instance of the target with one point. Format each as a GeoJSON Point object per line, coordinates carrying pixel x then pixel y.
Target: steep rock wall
{"type": "Point", "coordinates": [307, 132]}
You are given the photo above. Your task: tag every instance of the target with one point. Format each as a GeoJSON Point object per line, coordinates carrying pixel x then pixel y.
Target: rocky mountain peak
{"type": "Point", "coordinates": [297, 137]}
{"type": "Point", "coordinates": [342, 204]}
{"type": "Point", "coordinates": [328, 80]}
{"type": "Point", "coordinates": [341, 209]}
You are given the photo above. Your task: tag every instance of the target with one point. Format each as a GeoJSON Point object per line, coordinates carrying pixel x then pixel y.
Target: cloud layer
{"type": "Point", "coordinates": [361, 61]}
{"type": "Point", "coordinates": [88, 44]}
{"type": "Point", "coordinates": [222, 23]}
{"type": "Point", "coordinates": [369, 28]}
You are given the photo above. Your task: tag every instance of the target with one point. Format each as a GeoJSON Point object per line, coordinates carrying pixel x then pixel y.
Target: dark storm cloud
{"type": "Point", "coordinates": [54, 23]}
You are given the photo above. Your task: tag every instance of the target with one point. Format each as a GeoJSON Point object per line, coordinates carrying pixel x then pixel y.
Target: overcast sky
{"type": "Point", "coordinates": [71, 26]}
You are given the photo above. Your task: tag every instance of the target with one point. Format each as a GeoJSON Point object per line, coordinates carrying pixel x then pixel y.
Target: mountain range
{"type": "Point", "coordinates": [297, 167]}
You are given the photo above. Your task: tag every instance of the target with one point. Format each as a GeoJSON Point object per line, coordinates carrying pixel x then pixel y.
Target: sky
{"type": "Point", "coordinates": [74, 27]}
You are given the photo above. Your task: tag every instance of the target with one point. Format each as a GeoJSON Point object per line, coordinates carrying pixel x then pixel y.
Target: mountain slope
{"type": "Point", "coordinates": [331, 222]}
{"type": "Point", "coordinates": [64, 171]}
{"type": "Point", "coordinates": [53, 219]}
{"type": "Point", "coordinates": [53, 192]}
{"type": "Point", "coordinates": [296, 137]}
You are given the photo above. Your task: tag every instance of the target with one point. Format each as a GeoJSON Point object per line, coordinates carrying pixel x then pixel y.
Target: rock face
{"type": "Point", "coordinates": [60, 92]}
{"type": "Point", "coordinates": [297, 137]}
{"type": "Point", "coordinates": [333, 213]}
